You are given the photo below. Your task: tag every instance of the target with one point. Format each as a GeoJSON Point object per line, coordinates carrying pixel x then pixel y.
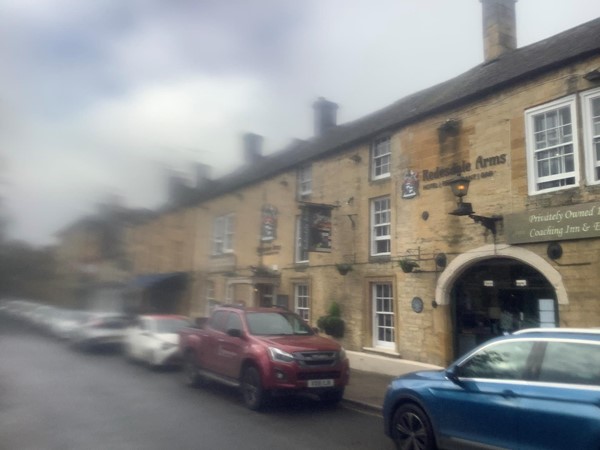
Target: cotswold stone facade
{"type": "Point", "coordinates": [360, 214]}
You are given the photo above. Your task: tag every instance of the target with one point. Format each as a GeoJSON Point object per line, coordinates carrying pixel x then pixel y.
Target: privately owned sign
{"type": "Point", "coordinates": [553, 224]}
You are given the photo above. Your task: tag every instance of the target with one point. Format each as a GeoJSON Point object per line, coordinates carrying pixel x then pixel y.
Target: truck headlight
{"type": "Point", "coordinates": [279, 355]}
{"type": "Point", "coordinates": [342, 354]}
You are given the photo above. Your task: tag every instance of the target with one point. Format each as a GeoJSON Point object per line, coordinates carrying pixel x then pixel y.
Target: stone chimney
{"type": "Point", "coordinates": [499, 27]}
{"type": "Point", "coordinates": [202, 175]}
{"type": "Point", "coordinates": [325, 115]}
{"type": "Point", "coordinates": [252, 147]}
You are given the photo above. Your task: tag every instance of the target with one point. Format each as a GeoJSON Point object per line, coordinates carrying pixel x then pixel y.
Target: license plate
{"type": "Point", "coordinates": [320, 383]}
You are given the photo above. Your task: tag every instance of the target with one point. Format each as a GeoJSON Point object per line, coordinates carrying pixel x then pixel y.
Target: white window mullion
{"type": "Point", "coordinates": [301, 301]}
{"type": "Point", "coordinates": [551, 139]}
{"type": "Point", "coordinates": [380, 226]}
{"type": "Point", "coordinates": [384, 323]}
{"type": "Point", "coordinates": [591, 128]}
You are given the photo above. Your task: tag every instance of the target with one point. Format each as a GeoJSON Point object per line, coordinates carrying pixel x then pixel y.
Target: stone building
{"type": "Point", "coordinates": [92, 258]}
{"type": "Point", "coordinates": [363, 214]}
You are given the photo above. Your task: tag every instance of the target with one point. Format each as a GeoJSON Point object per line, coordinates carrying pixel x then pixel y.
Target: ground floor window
{"type": "Point", "coordinates": [384, 334]}
{"type": "Point", "coordinates": [301, 301]}
{"type": "Point", "coordinates": [209, 294]}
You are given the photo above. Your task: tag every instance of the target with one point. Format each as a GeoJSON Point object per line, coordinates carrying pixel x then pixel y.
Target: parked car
{"type": "Point", "coordinates": [154, 339]}
{"type": "Point", "coordinates": [264, 351]}
{"type": "Point", "coordinates": [100, 330]}
{"type": "Point", "coordinates": [535, 389]}
{"type": "Point", "coordinates": [65, 321]}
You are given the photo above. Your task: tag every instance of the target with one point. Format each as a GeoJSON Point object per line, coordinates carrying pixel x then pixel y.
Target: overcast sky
{"type": "Point", "coordinates": [99, 98]}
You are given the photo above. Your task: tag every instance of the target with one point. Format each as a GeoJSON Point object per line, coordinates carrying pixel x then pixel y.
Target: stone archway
{"type": "Point", "coordinates": [462, 262]}
{"type": "Point", "coordinates": [497, 289]}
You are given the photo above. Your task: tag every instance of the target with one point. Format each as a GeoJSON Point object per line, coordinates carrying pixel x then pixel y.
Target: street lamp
{"type": "Point", "coordinates": [460, 188]}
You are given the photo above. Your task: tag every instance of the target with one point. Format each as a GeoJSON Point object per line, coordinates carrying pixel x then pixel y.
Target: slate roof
{"type": "Point", "coordinates": [510, 68]}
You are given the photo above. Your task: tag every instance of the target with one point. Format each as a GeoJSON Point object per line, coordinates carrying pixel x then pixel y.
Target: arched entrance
{"type": "Point", "coordinates": [497, 296]}
{"type": "Point", "coordinates": [495, 288]}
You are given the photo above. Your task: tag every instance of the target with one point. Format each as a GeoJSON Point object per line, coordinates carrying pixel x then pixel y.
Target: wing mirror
{"type": "Point", "coordinates": [452, 374]}
{"type": "Point", "coordinates": [235, 332]}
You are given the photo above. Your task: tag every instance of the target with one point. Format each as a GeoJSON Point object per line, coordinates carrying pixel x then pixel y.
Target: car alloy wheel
{"type": "Point", "coordinates": [411, 429]}
{"type": "Point", "coordinates": [252, 390]}
{"type": "Point", "coordinates": [190, 370]}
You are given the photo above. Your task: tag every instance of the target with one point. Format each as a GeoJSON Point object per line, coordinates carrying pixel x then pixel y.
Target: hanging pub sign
{"type": "Point", "coordinates": [315, 233]}
{"type": "Point", "coordinates": [268, 223]}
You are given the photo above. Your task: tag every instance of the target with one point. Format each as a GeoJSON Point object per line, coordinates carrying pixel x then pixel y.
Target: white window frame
{"type": "Point", "coordinates": [379, 225]}
{"type": "Point", "coordinates": [223, 227]}
{"type": "Point", "coordinates": [591, 133]}
{"type": "Point", "coordinates": [302, 301]}
{"type": "Point", "coordinates": [381, 158]}
{"type": "Point", "coordinates": [304, 181]}
{"type": "Point", "coordinates": [532, 163]}
{"type": "Point", "coordinates": [209, 295]}
{"type": "Point", "coordinates": [384, 318]}
{"type": "Point", "coordinates": [298, 254]}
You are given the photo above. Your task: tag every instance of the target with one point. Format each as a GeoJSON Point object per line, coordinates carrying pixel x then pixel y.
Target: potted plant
{"type": "Point", "coordinates": [343, 268]}
{"type": "Point", "coordinates": [332, 323]}
{"type": "Point", "coordinates": [408, 265]}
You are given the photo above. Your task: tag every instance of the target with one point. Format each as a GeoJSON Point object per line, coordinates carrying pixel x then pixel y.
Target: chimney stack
{"type": "Point", "coordinates": [325, 115]}
{"type": "Point", "coordinates": [252, 147]}
{"type": "Point", "coordinates": [499, 27]}
{"type": "Point", "coordinates": [202, 175]}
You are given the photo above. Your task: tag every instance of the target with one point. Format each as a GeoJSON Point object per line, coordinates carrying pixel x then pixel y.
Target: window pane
{"type": "Point", "coordinates": [500, 361]}
{"type": "Point", "coordinates": [553, 159]}
{"type": "Point", "coordinates": [573, 363]}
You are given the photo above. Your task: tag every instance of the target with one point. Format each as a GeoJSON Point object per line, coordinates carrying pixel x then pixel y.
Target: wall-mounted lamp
{"type": "Point", "coordinates": [460, 188]}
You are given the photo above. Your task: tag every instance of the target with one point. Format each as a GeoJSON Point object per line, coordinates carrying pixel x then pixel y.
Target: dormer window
{"type": "Point", "coordinates": [380, 158]}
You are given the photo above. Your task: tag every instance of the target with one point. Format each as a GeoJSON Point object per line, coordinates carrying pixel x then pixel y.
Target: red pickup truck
{"type": "Point", "coordinates": [263, 351]}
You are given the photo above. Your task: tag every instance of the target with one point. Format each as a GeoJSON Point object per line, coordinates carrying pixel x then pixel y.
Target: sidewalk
{"type": "Point", "coordinates": [370, 376]}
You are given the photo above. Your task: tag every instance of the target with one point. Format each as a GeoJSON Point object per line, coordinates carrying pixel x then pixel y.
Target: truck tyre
{"type": "Point", "coordinates": [191, 371]}
{"type": "Point", "coordinates": [252, 390]}
{"type": "Point", "coordinates": [333, 396]}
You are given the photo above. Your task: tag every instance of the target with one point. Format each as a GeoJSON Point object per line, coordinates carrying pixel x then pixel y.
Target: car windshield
{"type": "Point", "coordinates": [171, 325]}
{"type": "Point", "coordinates": [277, 323]}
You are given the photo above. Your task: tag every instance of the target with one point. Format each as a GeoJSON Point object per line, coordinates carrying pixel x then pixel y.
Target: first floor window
{"type": "Point", "coordinates": [591, 127]}
{"type": "Point", "coordinates": [551, 135]}
{"type": "Point", "coordinates": [383, 316]}
{"type": "Point", "coordinates": [304, 181]}
{"type": "Point", "coordinates": [380, 226]}
{"type": "Point", "coordinates": [301, 301]}
{"type": "Point", "coordinates": [223, 234]}
{"type": "Point", "coordinates": [380, 158]}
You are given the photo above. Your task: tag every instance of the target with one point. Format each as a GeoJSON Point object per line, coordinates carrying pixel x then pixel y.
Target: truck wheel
{"type": "Point", "coordinates": [191, 370]}
{"type": "Point", "coordinates": [332, 397]}
{"type": "Point", "coordinates": [252, 390]}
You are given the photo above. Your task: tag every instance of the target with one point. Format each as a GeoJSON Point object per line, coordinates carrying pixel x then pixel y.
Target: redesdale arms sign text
{"type": "Point", "coordinates": [553, 224]}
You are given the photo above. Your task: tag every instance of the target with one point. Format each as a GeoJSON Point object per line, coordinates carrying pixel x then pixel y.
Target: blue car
{"type": "Point", "coordinates": [535, 389]}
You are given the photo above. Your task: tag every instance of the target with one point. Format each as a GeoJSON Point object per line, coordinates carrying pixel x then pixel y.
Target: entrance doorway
{"type": "Point", "coordinates": [498, 296]}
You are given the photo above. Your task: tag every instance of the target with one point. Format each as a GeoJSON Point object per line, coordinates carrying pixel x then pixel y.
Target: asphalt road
{"type": "Point", "coordinates": [56, 398]}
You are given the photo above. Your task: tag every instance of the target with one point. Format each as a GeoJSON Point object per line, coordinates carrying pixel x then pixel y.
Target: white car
{"type": "Point", "coordinates": [65, 321]}
{"type": "Point", "coordinates": [100, 330]}
{"type": "Point", "coordinates": [154, 339]}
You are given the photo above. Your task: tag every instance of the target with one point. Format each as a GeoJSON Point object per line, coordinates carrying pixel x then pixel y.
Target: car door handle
{"type": "Point", "coordinates": [507, 393]}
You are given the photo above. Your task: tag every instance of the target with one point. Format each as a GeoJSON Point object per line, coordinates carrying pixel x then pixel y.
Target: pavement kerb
{"type": "Point", "coordinates": [363, 406]}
